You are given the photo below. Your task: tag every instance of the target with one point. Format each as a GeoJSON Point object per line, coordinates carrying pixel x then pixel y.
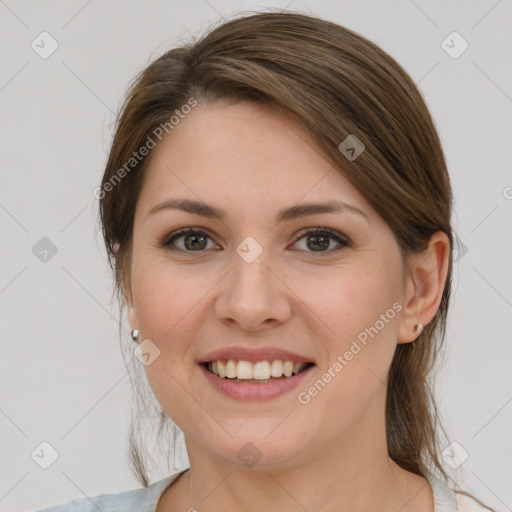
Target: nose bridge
{"type": "Point", "coordinates": [254, 294]}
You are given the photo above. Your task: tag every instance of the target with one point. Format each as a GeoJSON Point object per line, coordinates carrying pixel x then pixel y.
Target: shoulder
{"type": "Point", "coordinates": [145, 498]}
{"type": "Point", "coordinates": [468, 504]}
{"type": "Point", "coordinates": [448, 500]}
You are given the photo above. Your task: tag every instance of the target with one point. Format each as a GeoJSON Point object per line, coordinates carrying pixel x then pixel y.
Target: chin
{"type": "Point", "coordinates": [259, 445]}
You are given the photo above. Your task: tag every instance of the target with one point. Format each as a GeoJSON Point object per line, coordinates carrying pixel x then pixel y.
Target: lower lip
{"type": "Point", "coordinates": [247, 392]}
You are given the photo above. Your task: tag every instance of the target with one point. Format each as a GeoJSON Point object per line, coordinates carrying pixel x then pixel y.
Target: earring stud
{"type": "Point", "coordinates": [418, 329]}
{"type": "Point", "coordinates": [135, 334]}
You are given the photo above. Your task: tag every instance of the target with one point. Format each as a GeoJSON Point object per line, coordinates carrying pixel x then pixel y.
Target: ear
{"type": "Point", "coordinates": [424, 286]}
{"type": "Point", "coordinates": [132, 317]}
{"type": "Point", "coordinates": [130, 313]}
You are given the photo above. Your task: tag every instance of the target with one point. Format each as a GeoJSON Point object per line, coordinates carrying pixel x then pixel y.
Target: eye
{"type": "Point", "coordinates": [195, 240]}
{"type": "Point", "coordinates": [319, 240]}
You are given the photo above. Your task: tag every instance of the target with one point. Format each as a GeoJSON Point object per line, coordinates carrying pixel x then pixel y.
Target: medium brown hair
{"type": "Point", "coordinates": [337, 83]}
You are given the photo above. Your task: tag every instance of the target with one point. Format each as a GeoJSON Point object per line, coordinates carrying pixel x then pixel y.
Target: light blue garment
{"type": "Point", "coordinates": [146, 499]}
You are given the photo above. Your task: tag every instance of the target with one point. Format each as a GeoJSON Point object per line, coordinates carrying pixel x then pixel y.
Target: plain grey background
{"type": "Point", "coordinates": [63, 379]}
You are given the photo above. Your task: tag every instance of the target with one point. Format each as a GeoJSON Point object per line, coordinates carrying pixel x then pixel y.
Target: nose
{"type": "Point", "coordinates": [253, 296]}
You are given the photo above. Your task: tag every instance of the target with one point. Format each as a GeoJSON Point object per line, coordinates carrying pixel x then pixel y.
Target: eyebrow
{"type": "Point", "coordinates": [292, 212]}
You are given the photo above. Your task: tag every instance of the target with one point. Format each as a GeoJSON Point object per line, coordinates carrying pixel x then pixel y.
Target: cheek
{"type": "Point", "coordinates": [355, 298]}
{"type": "Point", "coordinates": [164, 299]}
{"type": "Point", "coordinates": [361, 306]}
{"type": "Point", "coordinates": [164, 302]}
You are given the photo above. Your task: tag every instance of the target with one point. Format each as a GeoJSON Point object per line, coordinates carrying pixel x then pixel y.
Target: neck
{"type": "Point", "coordinates": [349, 477]}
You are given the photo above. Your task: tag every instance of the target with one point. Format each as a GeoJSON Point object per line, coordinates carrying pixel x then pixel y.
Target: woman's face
{"type": "Point", "coordinates": [253, 284]}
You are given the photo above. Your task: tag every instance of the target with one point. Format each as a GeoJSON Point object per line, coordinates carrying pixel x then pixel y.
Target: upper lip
{"type": "Point", "coordinates": [253, 354]}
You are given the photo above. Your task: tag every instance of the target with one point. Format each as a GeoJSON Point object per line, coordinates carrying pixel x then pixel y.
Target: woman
{"type": "Point", "coordinates": [276, 208]}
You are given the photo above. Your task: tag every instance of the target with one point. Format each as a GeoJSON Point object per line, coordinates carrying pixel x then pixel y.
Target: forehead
{"type": "Point", "coordinates": [243, 155]}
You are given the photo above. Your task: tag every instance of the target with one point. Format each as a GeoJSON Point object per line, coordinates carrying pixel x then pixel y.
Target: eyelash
{"type": "Point", "coordinates": [166, 243]}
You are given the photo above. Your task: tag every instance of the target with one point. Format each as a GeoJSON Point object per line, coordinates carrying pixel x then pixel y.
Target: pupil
{"type": "Point", "coordinates": [195, 239]}
{"type": "Point", "coordinates": [321, 238]}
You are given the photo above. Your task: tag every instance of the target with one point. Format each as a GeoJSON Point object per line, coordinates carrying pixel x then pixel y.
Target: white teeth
{"type": "Point", "coordinates": [222, 369]}
{"type": "Point", "coordinates": [261, 370]}
{"type": "Point", "coordinates": [288, 368]}
{"type": "Point", "coordinates": [244, 370]}
{"type": "Point", "coordinates": [231, 369]}
{"type": "Point", "coordinates": [277, 368]}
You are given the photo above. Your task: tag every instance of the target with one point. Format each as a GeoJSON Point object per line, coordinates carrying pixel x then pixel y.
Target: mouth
{"type": "Point", "coordinates": [258, 372]}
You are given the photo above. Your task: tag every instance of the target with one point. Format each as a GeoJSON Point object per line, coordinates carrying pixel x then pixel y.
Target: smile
{"type": "Point", "coordinates": [254, 381]}
{"type": "Point", "coordinates": [261, 372]}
